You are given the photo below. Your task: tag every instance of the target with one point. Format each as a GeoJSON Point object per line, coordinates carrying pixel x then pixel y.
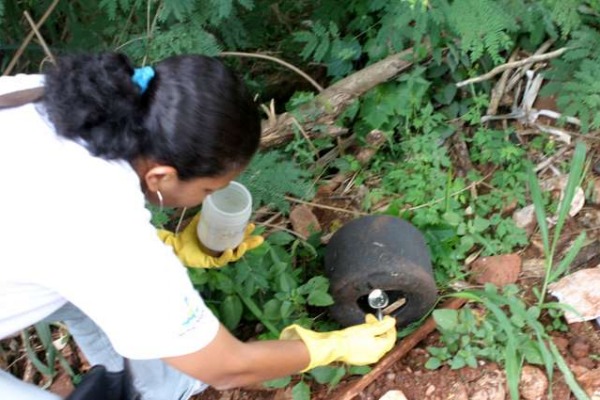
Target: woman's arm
{"type": "Point", "coordinates": [227, 362]}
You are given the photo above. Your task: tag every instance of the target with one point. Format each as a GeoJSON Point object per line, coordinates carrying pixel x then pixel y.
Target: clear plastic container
{"type": "Point", "coordinates": [224, 217]}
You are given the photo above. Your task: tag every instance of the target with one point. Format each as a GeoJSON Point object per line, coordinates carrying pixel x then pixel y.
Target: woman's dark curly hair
{"type": "Point", "coordinates": [195, 115]}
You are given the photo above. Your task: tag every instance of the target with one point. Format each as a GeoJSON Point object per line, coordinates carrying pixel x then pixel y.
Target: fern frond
{"type": "Point", "coordinates": [581, 95]}
{"type": "Point", "coordinates": [270, 177]}
{"type": "Point", "coordinates": [182, 38]}
{"type": "Point", "coordinates": [483, 27]}
{"type": "Point", "coordinates": [565, 15]}
{"type": "Point", "coordinates": [180, 9]}
{"type": "Point", "coordinates": [221, 9]}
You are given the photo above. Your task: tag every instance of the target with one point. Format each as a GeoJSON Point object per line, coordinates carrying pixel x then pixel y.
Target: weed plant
{"type": "Point", "coordinates": [508, 330]}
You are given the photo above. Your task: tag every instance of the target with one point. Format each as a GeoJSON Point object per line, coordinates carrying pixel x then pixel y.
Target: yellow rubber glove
{"type": "Point", "coordinates": [187, 246]}
{"type": "Point", "coordinates": [357, 345]}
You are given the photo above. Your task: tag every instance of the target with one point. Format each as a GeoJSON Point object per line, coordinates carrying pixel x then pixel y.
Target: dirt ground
{"type": "Point", "coordinates": [409, 376]}
{"type": "Point", "coordinates": [580, 346]}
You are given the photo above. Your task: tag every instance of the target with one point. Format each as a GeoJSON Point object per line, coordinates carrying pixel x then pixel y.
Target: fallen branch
{"type": "Point", "coordinates": [514, 64]}
{"type": "Point", "coordinates": [397, 353]}
{"type": "Point", "coordinates": [330, 103]}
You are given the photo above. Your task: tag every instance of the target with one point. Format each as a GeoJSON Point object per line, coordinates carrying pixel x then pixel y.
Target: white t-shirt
{"type": "Point", "coordinates": [74, 227]}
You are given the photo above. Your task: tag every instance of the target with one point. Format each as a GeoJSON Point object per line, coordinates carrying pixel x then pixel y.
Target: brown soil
{"type": "Point", "coordinates": [580, 347]}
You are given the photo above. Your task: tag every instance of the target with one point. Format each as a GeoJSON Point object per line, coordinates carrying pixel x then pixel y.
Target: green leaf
{"type": "Point", "coordinates": [538, 202]}
{"type": "Point", "coordinates": [452, 218]}
{"type": "Point", "coordinates": [433, 363]}
{"type": "Point", "coordinates": [568, 258]}
{"type": "Point", "coordinates": [281, 238]}
{"type": "Point", "coordinates": [231, 311]}
{"type": "Point", "coordinates": [323, 374]}
{"type": "Point", "coordinates": [271, 309]}
{"type": "Point", "coordinates": [458, 362]}
{"type": "Point", "coordinates": [480, 224]}
{"type": "Point", "coordinates": [446, 319]}
{"type": "Point", "coordinates": [359, 369]}
{"type": "Point", "coordinates": [278, 383]}
{"type": "Point", "coordinates": [301, 391]}
{"type": "Point", "coordinates": [567, 374]}
{"type": "Point", "coordinates": [575, 173]}
{"type": "Point", "coordinates": [286, 309]}
{"type": "Point", "coordinates": [320, 299]}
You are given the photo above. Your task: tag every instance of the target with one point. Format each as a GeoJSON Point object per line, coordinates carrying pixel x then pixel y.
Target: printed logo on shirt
{"type": "Point", "coordinates": [193, 315]}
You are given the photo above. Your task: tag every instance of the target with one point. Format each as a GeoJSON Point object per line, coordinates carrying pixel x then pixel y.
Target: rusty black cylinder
{"type": "Point", "coordinates": [379, 252]}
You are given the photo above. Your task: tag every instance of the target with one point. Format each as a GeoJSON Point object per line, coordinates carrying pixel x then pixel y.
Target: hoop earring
{"type": "Point", "coordinates": [160, 200]}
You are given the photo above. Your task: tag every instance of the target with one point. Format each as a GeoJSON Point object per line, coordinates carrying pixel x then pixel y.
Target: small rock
{"type": "Point", "coordinates": [586, 362]}
{"type": "Point", "coordinates": [524, 218]}
{"type": "Point", "coordinates": [62, 385]}
{"type": "Point", "coordinates": [579, 347]}
{"type": "Point", "coordinates": [561, 343]}
{"type": "Point", "coordinates": [499, 270]}
{"type": "Point", "coordinates": [533, 384]}
{"type": "Point", "coordinates": [283, 394]}
{"type": "Point", "coordinates": [490, 386]}
{"type": "Point", "coordinates": [304, 222]}
{"type": "Point", "coordinates": [590, 383]}
{"type": "Point", "coordinates": [533, 268]}
{"type": "Point", "coordinates": [429, 391]}
{"type": "Point", "coordinates": [390, 376]}
{"type": "Point", "coordinates": [458, 391]}
{"type": "Point", "coordinates": [578, 370]}
{"type": "Point", "coordinates": [580, 291]}
{"type": "Point", "coordinates": [393, 395]}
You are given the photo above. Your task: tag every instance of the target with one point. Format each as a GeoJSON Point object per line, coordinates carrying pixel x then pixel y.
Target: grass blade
{"type": "Point", "coordinates": [568, 258]}
{"type": "Point", "coordinates": [575, 173]}
{"type": "Point", "coordinates": [540, 212]}
{"type": "Point", "coordinates": [47, 370]}
{"type": "Point", "coordinates": [568, 375]}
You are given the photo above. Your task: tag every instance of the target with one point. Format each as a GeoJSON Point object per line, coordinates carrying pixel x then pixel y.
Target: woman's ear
{"type": "Point", "coordinates": [159, 175]}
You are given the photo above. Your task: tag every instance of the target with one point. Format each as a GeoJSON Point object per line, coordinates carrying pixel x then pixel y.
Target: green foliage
{"type": "Point", "coordinates": [574, 78]}
{"type": "Point", "coordinates": [270, 177]}
{"type": "Point", "coordinates": [552, 272]}
{"type": "Point", "coordinates": [454, 222]}
{"type": "Point", "coordinates": [484, 26]}
{"type": "Point", "coordinates": [47, 364]}
{"type": "Point", "coordinates": [265, 286]}
{"type": "Point", "coordinates": [509, 333]}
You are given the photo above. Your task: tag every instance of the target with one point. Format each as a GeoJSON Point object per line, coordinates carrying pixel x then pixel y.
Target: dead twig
{"type": "Point", "coordinates": [307, 138]}
{"type": "Point", "coordinates": [522, 70]}
{"type": "Point", "coordinates": [40, 38]}
{"type": "Point", "coordinates": [28, 38]}
{"type": "Point", "coordinates": [499, 89]}
{"type": "Point", "coordinates": [317, 205]}
{"type": "Point", "coordinates": [281, 228]}
{"type": "Point", "coordinates": [546, 163]}
{"type": "Point", "coordinates": [397, 353]}
{"type": "Point", "coordinates": [278, 61]}
{"type": "Point", "coordinates": [512, 65]}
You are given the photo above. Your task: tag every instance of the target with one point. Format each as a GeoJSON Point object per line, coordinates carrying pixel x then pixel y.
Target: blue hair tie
{"type": "Point", "coordinates": [142, 77]}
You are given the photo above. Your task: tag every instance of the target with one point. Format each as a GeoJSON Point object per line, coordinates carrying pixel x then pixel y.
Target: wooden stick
{"type": "Point", "coordinates": [514, 64]}
{"type": "Point", "coordinates": [40, 38]}
{"type": "Point", "coordinates": [30, 36]}
{"type": "Point", "coordinates": [323, 206]}
{"type": "Point", "coordinates": [396, 354]}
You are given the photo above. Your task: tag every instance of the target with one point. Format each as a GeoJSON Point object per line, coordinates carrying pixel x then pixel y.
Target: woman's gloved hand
{"type": "Point", "coordinates": [187, 246]}
{"type": "Point", "coordinates": [357, 345]}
